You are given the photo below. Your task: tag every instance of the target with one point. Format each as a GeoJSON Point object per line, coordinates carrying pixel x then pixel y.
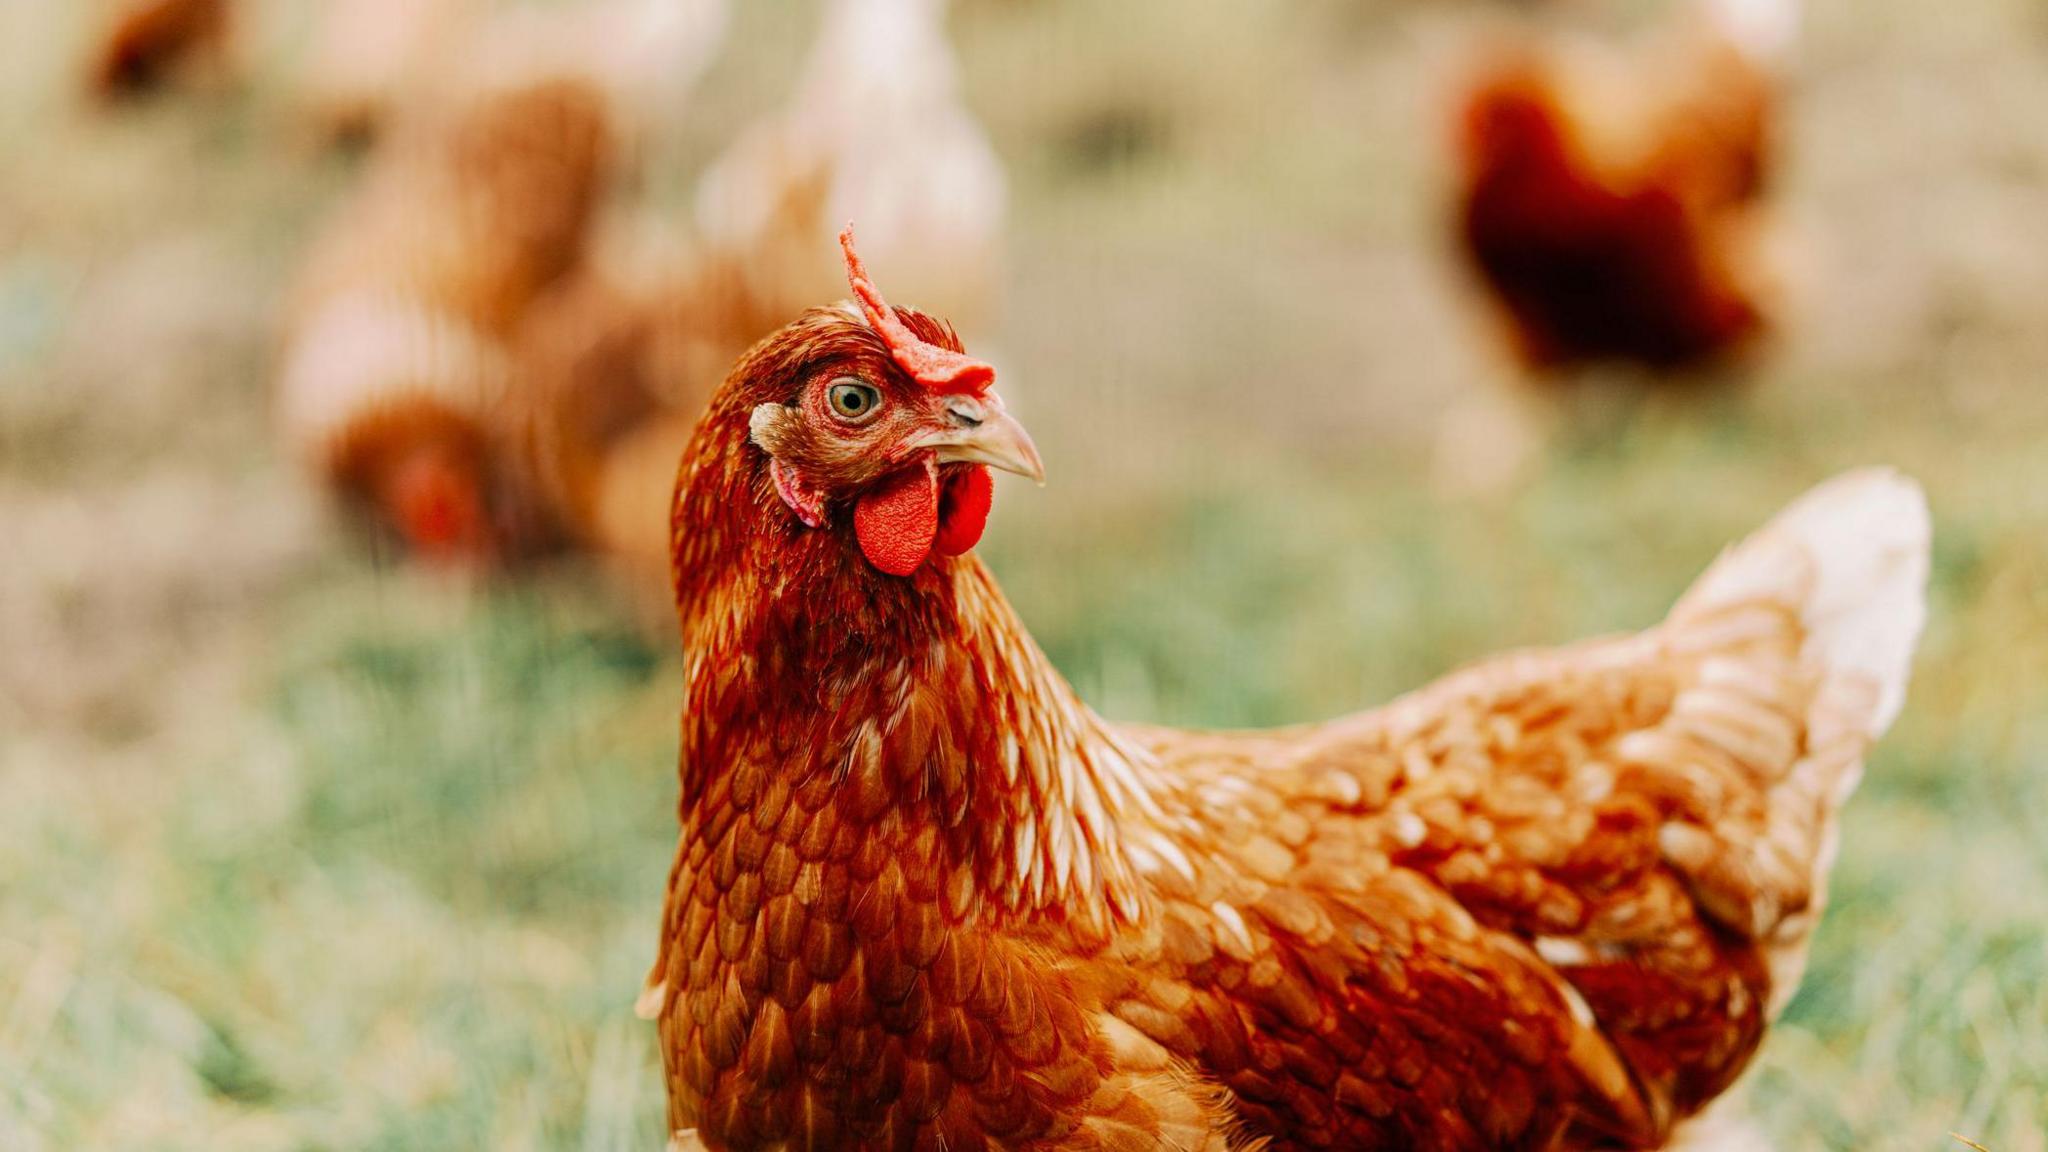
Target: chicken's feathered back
{"type": "Point", "coordinates": [1554, 899]}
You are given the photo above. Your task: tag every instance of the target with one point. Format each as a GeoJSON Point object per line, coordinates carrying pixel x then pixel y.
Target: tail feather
{"type": "Point", "coordinates": [1820, 610]}
{"type": "Point", "coordinates": [1852, 554]}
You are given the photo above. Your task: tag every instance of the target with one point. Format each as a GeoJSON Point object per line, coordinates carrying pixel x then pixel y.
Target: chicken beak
{"type": "Point", "coordinates": [979, 431]}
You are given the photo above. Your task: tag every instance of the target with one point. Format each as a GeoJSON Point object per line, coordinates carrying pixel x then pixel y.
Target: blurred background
{"type": "Point", "coordinates": [309, 843]}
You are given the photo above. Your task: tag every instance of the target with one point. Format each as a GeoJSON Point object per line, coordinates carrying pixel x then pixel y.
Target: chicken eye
{"type": "Point", "coordinates": [853, 401]}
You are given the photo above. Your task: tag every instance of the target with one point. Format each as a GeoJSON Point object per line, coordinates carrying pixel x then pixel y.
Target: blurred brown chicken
{"type": "Point", "coordinates": [1612, 204]}
{"type": "Point", "coordinates": [403, 383]}
{"type": "Point", "coordinates": [397, 367]}
{"type": "Point", "coordinates": [149, 40]}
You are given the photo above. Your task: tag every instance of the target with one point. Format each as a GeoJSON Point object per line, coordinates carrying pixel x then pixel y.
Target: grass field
{"type": "Point", "coordinates": [304, 850]}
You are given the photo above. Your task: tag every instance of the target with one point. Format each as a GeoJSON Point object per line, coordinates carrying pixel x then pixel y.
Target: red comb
{"type": "Point", "coordinates": [939, 369]}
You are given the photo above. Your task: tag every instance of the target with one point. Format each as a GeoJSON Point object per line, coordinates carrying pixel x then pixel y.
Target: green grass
{"type": "Point", "coordinates": [302, 851]}
{"type": "Point", "coordinates": [392, 914]}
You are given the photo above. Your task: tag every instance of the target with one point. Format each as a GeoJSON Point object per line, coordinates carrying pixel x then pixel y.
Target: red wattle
{"type": "Point", "coordinates": [963, 510]}
{"type": "Point", "coordinates": [897, 521]}
{"type": "Point", "coordinates": [435, 504]}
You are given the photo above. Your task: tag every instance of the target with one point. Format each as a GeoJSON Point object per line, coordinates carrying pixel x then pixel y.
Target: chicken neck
{"type": "Point", "coordinates": [917, 705]}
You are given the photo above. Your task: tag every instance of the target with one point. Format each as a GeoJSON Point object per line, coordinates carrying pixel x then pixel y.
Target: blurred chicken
{"type": "Point", "coordinates": [1612, 204]}
{"type": "Point", "coordinates": [402, 380]}
{"type": "Point", "coordinates": [397, 367]}
{"type": "Point", "coordinates": [875, 132]}
{"type": "Point", "coordinates": [148, 40]}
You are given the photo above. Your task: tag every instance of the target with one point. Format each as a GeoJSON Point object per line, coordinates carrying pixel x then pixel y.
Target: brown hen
{"type": "Point", "coordinates": [398, 379]}
{"type": "Point", "coordinates": [1613, 205]}
{"type": "Point", "coordinates": [926, 898]}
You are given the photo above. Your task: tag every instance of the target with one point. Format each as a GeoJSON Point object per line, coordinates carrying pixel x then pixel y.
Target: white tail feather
{"type": "Point", "coordinates": [1849, 561]}
{"type": "Point", "coordinates": [1859, 544]}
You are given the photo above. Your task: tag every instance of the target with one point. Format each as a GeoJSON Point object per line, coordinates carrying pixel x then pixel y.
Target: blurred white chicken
{"type": "Point", "coordinates": [875, 132]}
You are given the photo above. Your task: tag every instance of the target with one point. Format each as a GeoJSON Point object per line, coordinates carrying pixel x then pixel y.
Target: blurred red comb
{"type": "Point", "coordinates": [939, 369]}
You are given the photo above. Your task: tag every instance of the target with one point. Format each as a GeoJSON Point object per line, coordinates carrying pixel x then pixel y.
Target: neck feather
{"type": "Point", "coordinates": [922, 697]}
